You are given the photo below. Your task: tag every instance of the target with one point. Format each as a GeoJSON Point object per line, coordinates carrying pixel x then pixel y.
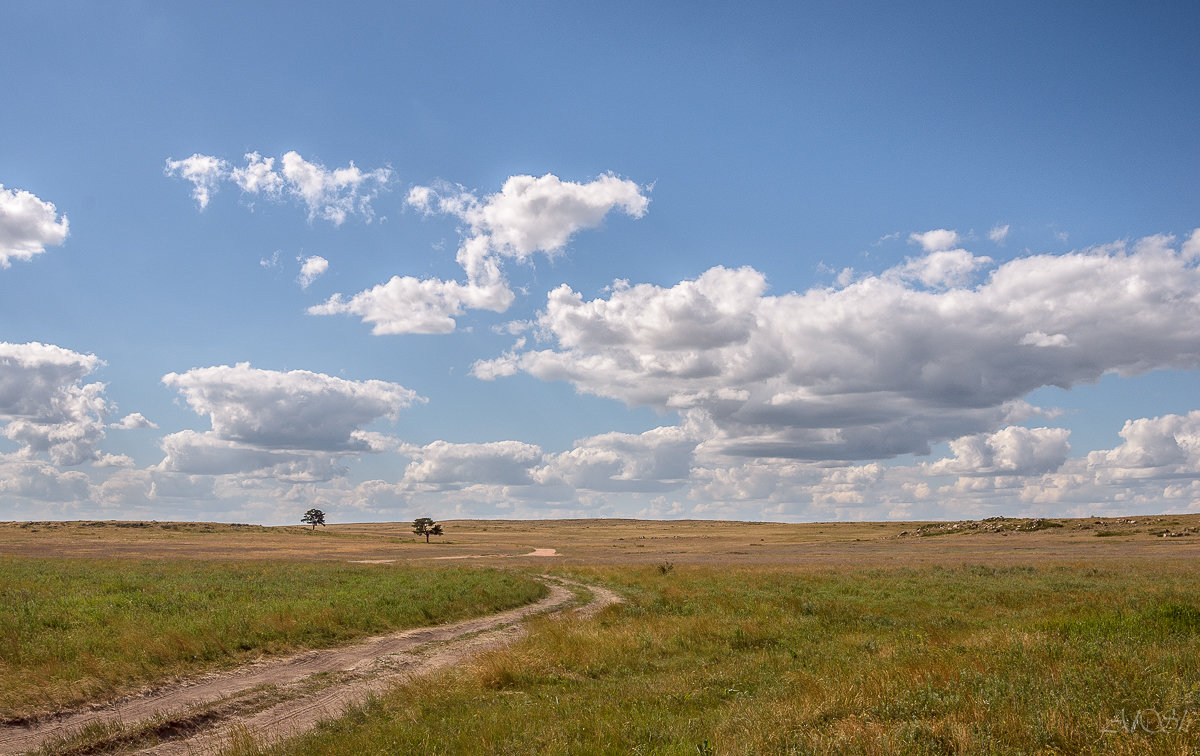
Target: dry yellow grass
{"type": "Point", "coordinates": [764, 637]}
{"type": "Point", "coordinates": [605, 542]}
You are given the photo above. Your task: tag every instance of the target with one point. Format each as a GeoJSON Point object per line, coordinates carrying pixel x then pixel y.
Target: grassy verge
{"type": "Point", "coordinates": [773, 660]}
{"type": "Point", "coordinates": [80, 629]}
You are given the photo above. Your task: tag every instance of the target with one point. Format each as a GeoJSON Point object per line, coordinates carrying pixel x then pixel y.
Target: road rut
{"type": "Point", "coordinates": [282, 698]}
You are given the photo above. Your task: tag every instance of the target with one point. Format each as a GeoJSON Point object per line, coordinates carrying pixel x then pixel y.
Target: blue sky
{"type": "Point", "coordinates": [774, 261]}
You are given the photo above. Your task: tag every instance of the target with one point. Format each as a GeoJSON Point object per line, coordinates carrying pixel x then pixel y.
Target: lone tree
{"type": "Point", "coordinates": [426, 527]}
{"type": "Point", "coordinates": [314, 517]}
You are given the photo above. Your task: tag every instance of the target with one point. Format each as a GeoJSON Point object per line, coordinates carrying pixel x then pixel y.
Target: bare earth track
{"type": "Point", "coordinates": [284, 697]}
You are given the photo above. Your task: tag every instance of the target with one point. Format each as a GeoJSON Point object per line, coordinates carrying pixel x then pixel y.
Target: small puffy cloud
{"type": "Point", "coordinates": [1039, 339]}
{"type": "Point", "coordinates": [331, 194]}
{"type": "Point", "coordinates": [411, 305]}
{"type": "Point", "coordinates": [528, 215]}
{"type": "Point", "coordinates": [205, 173]}
{"type": "Point", "coordinates": [531, 214]}
{"type": "Point", "coordinates": [132, 421]}
{"type": "Point", "coordinates": [943, 269]}
{"type": "Point", "coordinates": [114, 460]}
{"type": "Point", "coordinates": [999, 234]}
{"type": "Point", "coordinates": [44, 405]}
{"type": "Point", "coordinates": [937, 240]}
{"type": "Point", "coordinates": [288, 410]}
{"type": "Point", "coordinates": [27, 226]}
{"type": "Point", "coordinates": [312, 268]}
{"type": "Point", "coordinates": [258, 176]}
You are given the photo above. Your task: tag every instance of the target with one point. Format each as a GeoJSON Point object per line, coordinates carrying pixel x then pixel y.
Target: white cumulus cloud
{"type": "Point", "coordinates": [27, 226]}
{"type": "Point", "coordinates": [290, 427]}
{"type": "Point", "coordinates": [877, 367]}
{"type": "Point", "coordinates": [937, 240]}
{"type": "Point", "coordinates": [312, 268]}
{"type": "Point", "coordinates": [528, 215]}
{"type": "Point", "coordinates": [531, 214]}
{"type": "Point", "coordinates": [445, 466]}
{"type": "Point", "coordinates": [657, 460]}
{"type": "Point", "coordinates": [41, 482]}
{"type": "Point", "coordinates": [943, 269]}
{"type": "Point", "coordinates": [1011, 451]}
{"type": "Point", "coordinates": [205, 173]}
{"type": "Point", "coordinates": [288, 410]}
{"type": "Point", "coordinates": [1164, 446]}
{"type": "Point", "coordinates": [208, 453]}
{"type": "Point", "coordinates": [133, 421]}
{"type": "Point", "coordinates": [330, 194]}
{"type": "Point", "coordinates": [406, 304]}
{"type": "Point", "coordinates": [44, 405]}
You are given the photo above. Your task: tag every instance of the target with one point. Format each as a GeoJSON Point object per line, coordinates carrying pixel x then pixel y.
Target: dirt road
{"type": "Point", "coordinates": [285, 697]}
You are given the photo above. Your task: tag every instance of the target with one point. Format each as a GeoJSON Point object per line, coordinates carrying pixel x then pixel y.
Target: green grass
{"type": "Point", "coordinates": [974, 659]}
{"type": "Point", "coordinates": [81, 629]}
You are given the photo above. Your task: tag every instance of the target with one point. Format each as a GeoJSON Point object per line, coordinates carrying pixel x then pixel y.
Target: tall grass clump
{"type": "Point", "coordinates": [971, 659]}
{"type": "Point", "coordinates": [80, 629]}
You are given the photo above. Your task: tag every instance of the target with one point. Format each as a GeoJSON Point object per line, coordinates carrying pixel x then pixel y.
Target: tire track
{"type": "Point", "coordinates": [200, 716]}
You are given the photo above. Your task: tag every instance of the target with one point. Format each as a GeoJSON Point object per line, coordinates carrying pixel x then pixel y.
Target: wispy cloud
{"type": "Point", "coordinates": [529, 215]}
{"type": "Point", "coordinates": [330, 194]}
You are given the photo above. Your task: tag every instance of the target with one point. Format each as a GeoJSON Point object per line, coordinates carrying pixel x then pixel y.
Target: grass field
{"type": "Point", "coordinates": [74, 630]}
{"type": "Point", "coordinates": [1070, 636]}
{"type": "Point", "coordinates": [968, 659]}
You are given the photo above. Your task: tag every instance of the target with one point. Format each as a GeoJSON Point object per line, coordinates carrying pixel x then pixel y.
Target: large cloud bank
{"type": "Point", "coordinates": [793, 405]}
{"type": "Point", "coordinates": [885, 365]}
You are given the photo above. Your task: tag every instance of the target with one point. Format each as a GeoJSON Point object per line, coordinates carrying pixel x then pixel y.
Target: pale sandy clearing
{"type": "Point", "coordinates": [534, 553]}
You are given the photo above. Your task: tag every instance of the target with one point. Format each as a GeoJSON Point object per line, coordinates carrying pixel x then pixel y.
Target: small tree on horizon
{"type": "Point", "coordinates": [426, 526]}
{"type": "Point", "coordinates": [313, 517]}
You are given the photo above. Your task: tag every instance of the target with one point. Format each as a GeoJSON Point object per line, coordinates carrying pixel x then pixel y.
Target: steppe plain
{"type": "Point", "coordinates": [992, 636]}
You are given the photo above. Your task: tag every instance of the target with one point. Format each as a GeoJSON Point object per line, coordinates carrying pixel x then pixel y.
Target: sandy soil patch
{"type": "Point", "coordinates": [534, 553]}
